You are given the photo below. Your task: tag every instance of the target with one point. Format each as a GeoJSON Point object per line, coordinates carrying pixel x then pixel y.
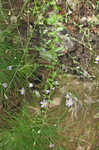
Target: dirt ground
{"type": "Point", "coordinates": [79, 127]}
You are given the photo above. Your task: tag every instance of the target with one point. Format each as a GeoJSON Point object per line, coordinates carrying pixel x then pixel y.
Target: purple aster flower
{"type": "Point", "coordinates": [69, 102]}
{"type": "Point", "coordinates": [9, 67]}
{"type": "Point", "coordinates": [4, 85]}
{"type": "Point", "coordinates": [22, 91]}
{"type": "Point", "coordinates": [44, 103]}
{"type": "Point", "coordinates": [47, 91]}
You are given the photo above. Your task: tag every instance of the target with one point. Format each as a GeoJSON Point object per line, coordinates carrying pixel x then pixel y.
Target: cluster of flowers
{"type": "Point", "coordinates": [69, 102]}
{"type": "Point", "coordinates": [22, 91]}
{"type": "Point", "coordinates": [44, 103]}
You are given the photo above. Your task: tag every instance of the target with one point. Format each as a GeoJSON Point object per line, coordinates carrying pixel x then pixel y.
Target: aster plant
{"type": "Point", "coordinates": [44, 104]}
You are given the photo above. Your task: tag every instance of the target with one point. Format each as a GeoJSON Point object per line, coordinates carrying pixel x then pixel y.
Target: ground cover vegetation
{"type": "Point", "coordinates": [49, 74]}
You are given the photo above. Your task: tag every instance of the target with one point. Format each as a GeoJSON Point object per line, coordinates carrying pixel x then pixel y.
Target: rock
{"type": "Point", "coordinates": [13, 19]}
{"type": "Point", "coordinates": [33, 110]}
{"type": "Point", "coordinates": [83, 20]}
{"type": "Point", "coordinates": [65, 41]}
{"type": "Point", "coordinates": [56, 102]}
